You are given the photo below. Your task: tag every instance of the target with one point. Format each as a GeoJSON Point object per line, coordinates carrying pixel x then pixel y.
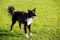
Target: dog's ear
{"type": "Point", "coordinates": [34, 9]}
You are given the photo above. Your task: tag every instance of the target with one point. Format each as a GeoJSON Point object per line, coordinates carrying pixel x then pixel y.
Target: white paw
{"type": "Point", "coordinates": [27, 35]}
{"type": "Point", "coordinates": [31, 34]}
{"type": "Point", "coordinates": [11, 31]}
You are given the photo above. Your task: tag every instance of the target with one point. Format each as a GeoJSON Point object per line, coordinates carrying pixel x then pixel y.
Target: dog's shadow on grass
{"type": "Point", "coordinates": [8, 33]}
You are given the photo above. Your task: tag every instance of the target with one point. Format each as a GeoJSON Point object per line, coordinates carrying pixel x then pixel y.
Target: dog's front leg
{"type": "Point", "coordinates": [29, 28]}
{"type": "Point", "coordinates": [25, 29]}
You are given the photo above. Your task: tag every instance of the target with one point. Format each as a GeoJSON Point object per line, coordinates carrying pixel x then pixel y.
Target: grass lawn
{"type": "Point", "coordinates": [45, 27]}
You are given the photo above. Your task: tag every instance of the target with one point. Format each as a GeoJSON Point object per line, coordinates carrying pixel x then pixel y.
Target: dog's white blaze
{"type": "Point", "coordinates": [29, 21]}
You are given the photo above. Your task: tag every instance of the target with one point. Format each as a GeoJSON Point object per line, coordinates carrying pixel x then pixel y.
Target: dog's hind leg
{"type": "Point", "coordinates": [20, 25]}
{"type": "Point", "coordinates": [13, 22]}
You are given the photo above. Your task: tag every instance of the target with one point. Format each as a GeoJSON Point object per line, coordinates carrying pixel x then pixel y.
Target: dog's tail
{"type": "Point", "coordinates": [11, 10]}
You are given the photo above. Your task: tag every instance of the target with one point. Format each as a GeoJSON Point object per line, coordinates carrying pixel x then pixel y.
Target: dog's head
{"type": "Point", "coordinates": [11, 9]}
{"type": "Point", "coordinates": [32, 13]}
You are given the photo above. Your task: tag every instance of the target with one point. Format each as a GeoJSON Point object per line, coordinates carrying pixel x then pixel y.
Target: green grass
{"type": "Point", "coordinates": [45, 27]}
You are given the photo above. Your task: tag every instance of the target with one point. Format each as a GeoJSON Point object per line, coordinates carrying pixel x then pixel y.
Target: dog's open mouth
{"type": "Point", "coordinates": [33, 17]}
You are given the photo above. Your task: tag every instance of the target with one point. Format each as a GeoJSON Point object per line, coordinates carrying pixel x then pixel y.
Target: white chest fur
{"type": "Point", "coordinates": [29, 21]}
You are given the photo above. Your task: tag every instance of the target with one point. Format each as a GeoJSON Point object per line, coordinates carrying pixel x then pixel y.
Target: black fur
{"type": "Point", "coordinates": [21, 17]}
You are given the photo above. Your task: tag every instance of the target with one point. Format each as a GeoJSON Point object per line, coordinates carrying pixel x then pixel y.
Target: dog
{"type": "Point", "coordinates": [25, 18]}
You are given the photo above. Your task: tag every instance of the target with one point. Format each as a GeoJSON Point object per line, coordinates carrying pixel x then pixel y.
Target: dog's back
{"type": "Point", "coordinates": [17, 15]}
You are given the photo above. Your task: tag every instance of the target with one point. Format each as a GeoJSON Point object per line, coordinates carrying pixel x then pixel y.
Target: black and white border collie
{"type": "Point", "coordinates": [25, 18]}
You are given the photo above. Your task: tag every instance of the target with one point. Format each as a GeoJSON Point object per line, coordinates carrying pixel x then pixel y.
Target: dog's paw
{"type": "Point", "coordinates": [12, 31]}
{"type": "Point", "coordinates": [27, 35]}
{"type": "Point", "coordinates": [31, 34]}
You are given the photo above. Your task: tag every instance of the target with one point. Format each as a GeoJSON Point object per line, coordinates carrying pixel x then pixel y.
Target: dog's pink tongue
{"type": "Point", "coordinates": [33, 17]}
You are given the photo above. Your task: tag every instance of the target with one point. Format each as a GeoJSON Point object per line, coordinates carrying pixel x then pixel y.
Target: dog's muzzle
{"type": "Point", "coordinates": [33, 17]}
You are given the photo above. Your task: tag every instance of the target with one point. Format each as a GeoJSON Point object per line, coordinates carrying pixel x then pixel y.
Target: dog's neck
{"type": "Point", "coordinates": [29, 21]}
